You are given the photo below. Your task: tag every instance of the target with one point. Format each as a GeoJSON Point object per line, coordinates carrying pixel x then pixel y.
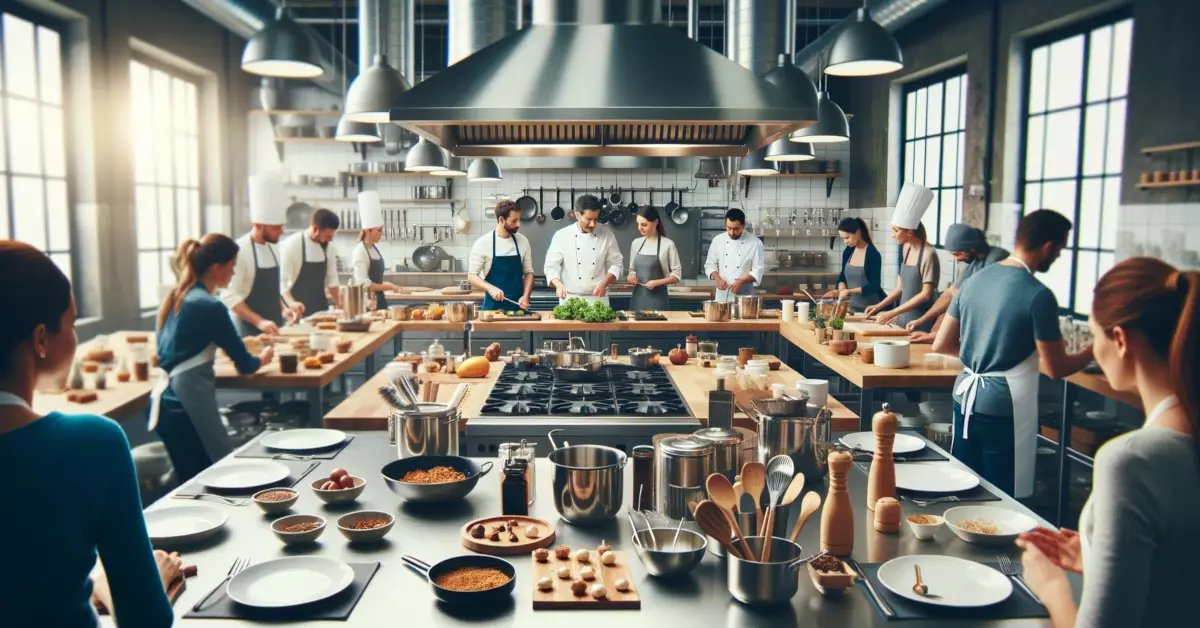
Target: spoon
{"type": "Point", "coordinates": [738, 489]}
{"type": "Point", "coordinates": [710, 518]}
{"type": "Point", "coordinates": [754, 480]}
{"type": "Point", "coordinates": [780, 470]}
{"type": "Point", "coordinates": [720, 492]}
{"type": "Point", "coordinates": [793, 490]}
{"type": "Point", "coordinates": [808, 506]}
{"type": "Point", "coordinates": [919, 588]}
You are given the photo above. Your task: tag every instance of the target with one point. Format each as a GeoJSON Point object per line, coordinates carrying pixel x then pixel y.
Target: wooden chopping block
{"type": "Point", "coordinates": [865, 330]}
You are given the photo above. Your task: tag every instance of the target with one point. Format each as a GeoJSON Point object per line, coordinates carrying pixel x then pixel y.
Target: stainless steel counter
{"type": "Point", "coordinates": [399, 597]}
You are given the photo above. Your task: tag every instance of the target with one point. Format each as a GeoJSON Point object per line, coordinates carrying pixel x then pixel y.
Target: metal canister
{"type": "Point", "coordinates": [430, 430]}
{"type": "Point", "coordinates": [806, 440]}
{"type": "Point", "coordinates": [682, 466]}
{"type": "Point", "coordinates": [727, 449]}
{"type": "Point", "coordinates": [520, 451]}
{"type": "Point", "coordinates": [643, 477]}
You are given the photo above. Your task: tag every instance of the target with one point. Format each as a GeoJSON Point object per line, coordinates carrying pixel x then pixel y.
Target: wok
{"type": "Point", "coordinates": [427, 257]}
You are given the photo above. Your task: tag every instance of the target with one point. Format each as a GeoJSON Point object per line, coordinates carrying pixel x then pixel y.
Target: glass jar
{"type": "Point", "coordinates": [436, 350]}
{"type": "Point", "coordinates": [520, 451]}
{"type": "Point", "coordinates": [706, 350]}
{"type": "Point", "coordinates": [692, 346]}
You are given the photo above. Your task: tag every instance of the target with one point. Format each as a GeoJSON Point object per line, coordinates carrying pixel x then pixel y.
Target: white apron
{"type": "Point", "coordinates": [1023, 389]}
{"type": "Point", "coordinates": [573, 262]}
{"type": "Point", "coordinates": [197, 391]}
{"type": "Point", "coordinates": [9, 399]}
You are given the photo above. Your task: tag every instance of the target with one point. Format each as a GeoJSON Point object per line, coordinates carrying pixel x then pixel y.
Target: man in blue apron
{"type": "Point", "coordinates": [584, 258]}
{"type": "Point", "coordinates": [501, 262]}
{"type": "Point", "coordinates": [1003, 324]}
{"type": "Point", "coordinates": [308, 265]}
{"type": "Point", "coordinates": [253, 295]}
{"type": "Point", "coordinates": [736, 259]}
{"type": "Point", "coordinates": [968, 245]}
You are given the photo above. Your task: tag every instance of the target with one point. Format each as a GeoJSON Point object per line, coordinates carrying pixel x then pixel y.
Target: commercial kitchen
{"type": "Point", "coordinates": [511, 312]}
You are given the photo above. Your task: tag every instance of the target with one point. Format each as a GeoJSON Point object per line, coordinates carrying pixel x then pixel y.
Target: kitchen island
{"type": "Point", "coordinates": [432, 533]}
{"type": "Point", "coordinates": [118, 400]}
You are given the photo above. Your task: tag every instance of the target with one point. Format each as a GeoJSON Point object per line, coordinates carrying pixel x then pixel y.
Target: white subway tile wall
{"type": "Point", "coordinates": [1169, 231]}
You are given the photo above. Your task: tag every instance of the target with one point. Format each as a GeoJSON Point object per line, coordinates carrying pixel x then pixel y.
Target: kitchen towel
{"type": "Point", "coordinates": [336, 608]}
{"type": "Point", "coordinates": [255, 449]}
{"type": "Point", "coordinates": [299, 469]}
{"type": "Point", "coordinates": [1019, 605]}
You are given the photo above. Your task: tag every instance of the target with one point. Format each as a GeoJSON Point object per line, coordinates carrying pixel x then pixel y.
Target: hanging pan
{"type": "Point", "coordinates": [558, 212]}
{"type": "Point", "coordinates": [618, 217]}
{"type": "Point", "coordinates": [541, 218]}
{"type": "Point", "coordinates": [633, 206]}
{"type": "Point", "coordinates": [680, 214]}
{"type": "Point", "coordinates": [672, 205]}
{"type": "Point", "coordinates": [528, 207]}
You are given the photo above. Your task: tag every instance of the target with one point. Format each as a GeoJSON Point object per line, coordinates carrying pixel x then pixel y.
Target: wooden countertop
{"type": "Point", "coordinates": [917, 375]}
{"type": "Point", "coordinates": [270, 377]}
{"type": "Point", "coordinates": [1098, 383]}
{"type": "Point", "coordinates": [117, 401]}
{"type": "Point", "coordinates": [432, 295]}
{"type": "Point", "coordinates": [676, 321]}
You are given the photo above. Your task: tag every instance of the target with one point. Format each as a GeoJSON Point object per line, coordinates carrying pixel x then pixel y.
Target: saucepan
{"type": "Point", "coordinates": [470, 561]}
{"type": "Point", "coordinates": [775, 582]}
{"type": "Point", "coordinates": [588, 481]}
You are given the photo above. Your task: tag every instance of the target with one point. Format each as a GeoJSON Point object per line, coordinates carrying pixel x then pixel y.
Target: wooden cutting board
{"type": "Point", "coordinates": [562, 598]}
{"type": "Point", "coordinates": [504, 547]}
{"type": "Point", "coordinates": [866, 330]}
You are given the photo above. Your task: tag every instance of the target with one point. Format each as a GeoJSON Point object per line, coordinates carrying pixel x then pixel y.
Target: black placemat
{"type": "Point", "coordinates": [336, 608]}
{"type": "Point", "coordinates": [977, 494]}
{"type": "Point", "coordinates": [255, 449]}
{"type": "Point", "coordinates": [1019, 605]}
{"type": "Point", "coordinates": [299, 469]}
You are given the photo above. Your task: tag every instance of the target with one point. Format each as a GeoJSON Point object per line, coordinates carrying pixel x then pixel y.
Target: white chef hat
{"type": "Point", "coordinates": [267, 206]}
{"type": "Point", "coordinates": [910, 207]}
{"type": "Point", "coordinates": [369, 210]}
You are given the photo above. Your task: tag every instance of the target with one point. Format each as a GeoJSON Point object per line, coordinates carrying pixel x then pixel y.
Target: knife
{"type": "Point", "coordinates": [887, 610]}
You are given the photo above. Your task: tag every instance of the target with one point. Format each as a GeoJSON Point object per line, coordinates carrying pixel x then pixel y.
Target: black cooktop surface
{"type": "Point", "coordinates": [618, 390]}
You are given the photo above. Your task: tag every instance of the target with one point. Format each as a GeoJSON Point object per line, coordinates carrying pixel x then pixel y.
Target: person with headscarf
{"type": "Point", "coordinates": [969, 246]}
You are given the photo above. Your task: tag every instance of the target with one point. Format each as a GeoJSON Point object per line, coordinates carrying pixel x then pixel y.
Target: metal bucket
{"type": "Point", "coordinates": [355, 300]}
{"type": "Point", "coordinates": [431, 430]}
{"type": "Point", "coordinates": [588, 482]}
{"type": "Point", "coordinates": [770, 583]}
{"type": "Point", "coordinates": [748, 307]}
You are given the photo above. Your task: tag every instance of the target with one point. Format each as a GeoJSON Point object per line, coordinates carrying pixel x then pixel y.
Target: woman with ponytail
{"type": "Point", "coordinates": [862, 266]}
{"type": "Point", "coordinates": [1137, 539]}
{"type": "Point", "coordinates": [192, 324]}
{"type": "Point", "coordinates": [653, 263]}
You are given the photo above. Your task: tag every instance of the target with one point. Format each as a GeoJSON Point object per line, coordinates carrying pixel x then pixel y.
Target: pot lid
{"type": "Point", "coordinates": [685, 447]}
{"type": "Point", "coordinates": [719, 435]}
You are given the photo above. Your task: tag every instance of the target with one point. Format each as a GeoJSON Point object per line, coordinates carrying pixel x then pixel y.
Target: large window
{"type": "Point", "coordinates": [935, 116]}
{"type": "Point", "coordinates": [166, 171]}
{"type": "Point", "coordinates": [33, 165]}
{"type": "Point", "coordinates": [1074, 143]}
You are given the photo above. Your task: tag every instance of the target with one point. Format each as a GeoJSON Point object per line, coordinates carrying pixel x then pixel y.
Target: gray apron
{"type": "Point", "coordinates": [375, 274]}
{"type": "Point", "coordinates": [910, 284]}
{"type": "Point", "coordinates": [264, 298]}
{"type": "Point", "coordinates": [856, 277]}
{"type": "Point", "coordinates": [309, 287]}
{"type": "Point", "coordinates": [649, 268]}
{"type": "Point", "coordinates": [195, 384]}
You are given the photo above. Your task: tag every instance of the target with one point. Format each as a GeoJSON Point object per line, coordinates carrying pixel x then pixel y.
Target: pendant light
{"type": "Point", "coordinates": [484, 170]}
{"type": "Point", "coordinates": [376, 88]}
{"type": "Point", "coordinates": [864, 49]}
{"type": "Point", "coordinates": [831, 125]}
{"type": "Point", "coordinates": [455, 167]}
{"type": "Point", "coordinates": [783, 149]}
{"type": "Point", "coordinates": [425, 156]}
{"type": "Point", "coordinates": [710, 168]}
{"type": "Point", "coordinates": [348, 130]}
{"type": "Point", "coordinates": [282, 49]}
{"type": "Point", "coordinates": [755, 164]}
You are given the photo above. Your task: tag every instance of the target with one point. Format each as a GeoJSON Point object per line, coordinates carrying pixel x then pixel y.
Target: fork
{"type": "Point", "coordinates": [239, 564]}
{"type": "Point", "coordinates": [929, 502]}
{"type": "Point", "coordinates": [227, 500]}
{"type": "Point", "coordinates": [1009, 569]}
{"type": "Point", "coordinates": [290, 457]}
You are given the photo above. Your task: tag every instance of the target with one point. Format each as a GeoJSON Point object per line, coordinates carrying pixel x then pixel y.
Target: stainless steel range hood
{"type": "Point", "coordinates": [595, 78]}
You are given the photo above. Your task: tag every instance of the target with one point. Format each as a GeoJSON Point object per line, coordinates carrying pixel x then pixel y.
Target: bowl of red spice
{"type": "Point", "coordinates": [365, 526]}
{"type": "Point", "coordinates": [275, 501]}
{"type": "Point", "coordinates": [298, 529]}
{"type": "Point", "coordinates": [434, 479]}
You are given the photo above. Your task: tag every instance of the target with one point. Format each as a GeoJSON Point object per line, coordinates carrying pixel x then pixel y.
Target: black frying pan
{"type": "Point", "coordinates": [558, 212]}
{"type": "Point", "coordinates": [615, 198]}
{"type": "Point", "coordinates": [528, 207]}
{"type": "Point", "coordinates": [633, 206]}
{"type": "Point", "coordinates": [605, 215]}
{"type": "Point", "coordinates": [671, 206]}
{"type": "Point", "coordinates": [617, 217]}
{"type": "Point", "coordinates": [449, 596]}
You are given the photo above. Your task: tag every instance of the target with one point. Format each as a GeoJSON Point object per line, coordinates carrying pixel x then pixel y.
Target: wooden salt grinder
{"type": "Point", "coordinates": [882, 480]}
{"type": "Point", "coordinates": [887, 515]}
{"type": "Point", "coordinates": [837, 516]}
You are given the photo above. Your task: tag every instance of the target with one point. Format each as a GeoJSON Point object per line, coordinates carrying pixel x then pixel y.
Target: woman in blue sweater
{"type": "Point", "coordinates": [192, 324]}
{"type": "Point", "coordinates": [49, 540]}
{"type": "Point", "coordinates": [861, 266]}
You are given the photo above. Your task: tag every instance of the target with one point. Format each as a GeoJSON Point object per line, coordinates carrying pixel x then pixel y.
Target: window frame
{"type": "Point", "coordinates": [61, 28]}
{"type": "Point", "coordinates": [959, 71]}
{"type": "Point", "coordinates": [1082, 27]}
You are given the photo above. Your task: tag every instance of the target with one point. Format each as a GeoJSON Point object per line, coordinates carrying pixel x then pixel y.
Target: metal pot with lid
{"type": "Point", "coordinates": [727, 449]}
{"type": "Point", "coordinates": [682, 466]}
{"type": "Point", "coordinates": [805, 439]}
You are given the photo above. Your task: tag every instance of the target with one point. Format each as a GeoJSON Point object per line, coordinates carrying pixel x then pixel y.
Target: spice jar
{"type": "Point", "coordinates": [436, 350]}
{"type": "Point", "coordinates": [514, 488]}
{"type": "Point", "coordinates": [866, 353]}
{"type": "Point", "coordinates": [692, 346]}
{"type": "Point", "coordinates": [520, 451]}
{"type": "Point", "coordinates": [643, 477]}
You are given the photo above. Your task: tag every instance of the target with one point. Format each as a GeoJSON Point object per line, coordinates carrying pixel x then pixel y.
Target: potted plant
{"type": "Point", "coordinates": [835, 326]}
{"type": "Point", "coordinates": [821, 330]}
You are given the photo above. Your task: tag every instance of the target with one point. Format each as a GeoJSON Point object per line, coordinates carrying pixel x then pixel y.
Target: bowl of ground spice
{"type": "Point", "coordinates": [365, 526]}
{"type": "Point", "coordinates": [924, 527]}
{"type": "Point", "coordinates": [434, 479]}
{"type": "Point", "coordinates": [471, 579]}
{"type": "Point", "coordinates": [275, 501]}
{"type": "Point", "coordinates": [298, 529]}
{"type": "Point", "coordinates": [988, 525]}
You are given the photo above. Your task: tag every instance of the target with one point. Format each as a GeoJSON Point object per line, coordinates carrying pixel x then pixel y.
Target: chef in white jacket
{"type": "Point", "coordinates": [584, 258]}
{"type": "Point", "coordinates": [736, 259]}
{"type": "Point", "coordinates": [253, 293]}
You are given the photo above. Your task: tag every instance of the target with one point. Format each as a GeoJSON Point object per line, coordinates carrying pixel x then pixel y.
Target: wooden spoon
{"type": "Point", "coordinates": [738, 489]}
{"type": "Point", "coordinates": [754, 480]}
{"type": "Point", "coordinates": [720, 491]}
{"type": "Point", "coordinates": [793, 490]}
{"type": "Point", "coordinates": [714, 523]}
{"type": "Point", "coordinates": [808, 506]}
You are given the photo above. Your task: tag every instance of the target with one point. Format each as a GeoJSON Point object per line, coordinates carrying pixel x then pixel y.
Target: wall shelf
{"type": "Point", "coordinates": [299, 112]}
{"type": "Point", "coordinates": [828, 176]}
{"type": "Point", "coordinates": [1170, 148]}
{"type": "Point", "coordinates": [308, 140]}
{"type": "Point", "coordinates": [1167, 184]}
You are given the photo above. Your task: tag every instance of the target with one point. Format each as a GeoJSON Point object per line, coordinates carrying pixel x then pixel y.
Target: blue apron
{"type": "Point", "coordinates": [507, 274]}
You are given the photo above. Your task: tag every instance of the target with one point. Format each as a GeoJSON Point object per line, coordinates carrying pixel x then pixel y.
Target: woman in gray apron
{"type": "Point", "coordinates": [861, 266]}
{"type": "Point", "coordinates": [916, 290]}
{"type": "Point", "coordinates": [192, 323]}
{"type": "Point", "coordinates": [309, 287]}
{"type": "Point", "coordinates": [264, 298]}
{"type": "Point", "coordinates": [651, 271]}
{"type": "Point", "coordinates": [368, 265]}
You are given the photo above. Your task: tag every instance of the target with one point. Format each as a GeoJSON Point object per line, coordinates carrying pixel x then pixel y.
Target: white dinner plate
{"type": "Point", "coordinates": [243, 475]}
{"type": "Point", "coordinates": [957, 582]}
{"type": "Point", "coordinates": [304, 439]}
{"type": "Point", "coordinates": [938, 477]}
{"type": "Point", "coordinates": [905, 443]}
{"type": "Point", "coordinates": [179, 525]}
{"type": "Point", "coordinates": [286, 582]}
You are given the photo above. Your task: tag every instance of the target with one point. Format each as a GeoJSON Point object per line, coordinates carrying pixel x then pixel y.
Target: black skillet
{"type": "Point", "coordinates": [450, 596]}
{"type": "Point", "coordinates": [605, 208]}
{"type": "Point", "coordinates": [633, 206]}
{"type": "Point", "coordinates": [618, 217]}
{"type": "Point", "coordinates": [528, 206]}
{"type": "Point", "coordinates": [558, 212]}
{"type": "Point", "coordinates": [671, 206]}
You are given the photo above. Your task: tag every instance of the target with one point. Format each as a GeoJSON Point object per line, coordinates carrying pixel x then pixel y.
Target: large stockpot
{"type": "Point", "coordinates": [430, 430]}
{"type": "Point", "coordinates": [717, 311]}
{"type": "Point", "coordinates": [356, 300]}
{"type": "Point", "coordinates": [683, 465]}
{"type": "Point", "coordinates": [804, 439]}
{"type": "Point", "coordinates": [749, 307]}
{"type": "Point", "coordinates": [588, 481]}
{"type": "Point", "coordinates": [460, 311]}
{"type": "Point", "coordinates": [727, 449]}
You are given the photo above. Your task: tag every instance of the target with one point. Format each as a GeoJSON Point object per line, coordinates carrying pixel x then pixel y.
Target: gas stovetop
{"type": "Point", "coordinates": [617, 391]}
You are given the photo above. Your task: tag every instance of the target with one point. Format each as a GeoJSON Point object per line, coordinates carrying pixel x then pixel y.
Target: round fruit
{"type": "Point", "coordinates": [329, 485]}
{"type": "Point", "coordinates": [337, 474]}
{"type": "Point", "coordinates": [346, 481]}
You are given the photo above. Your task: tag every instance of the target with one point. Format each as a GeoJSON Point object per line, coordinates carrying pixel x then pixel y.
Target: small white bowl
{"type": "Point", "coordinates": [341, 495]}
{"type": "Point", "coordinates": [1010, 523]}
{"type": "Point", "coordinates": [298, 538]}
{"type": "Point", "coordinates": [925, 531]}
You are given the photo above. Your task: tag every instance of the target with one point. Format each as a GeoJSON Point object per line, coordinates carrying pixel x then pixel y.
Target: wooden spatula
{"type": "Point", "coordinates": [793, 490]}
{"type": "Point", "coordinates": [808, 506]}
{"type": "Point", "coordinates": [720, 492]}
{"type": "Point", "coordinates": [754, 480]}
{"type": "Point", "coordinates": [715, 524]}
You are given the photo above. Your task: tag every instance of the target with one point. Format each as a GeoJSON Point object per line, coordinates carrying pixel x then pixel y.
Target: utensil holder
{"type": "Point", "coordinates": [747, 525]}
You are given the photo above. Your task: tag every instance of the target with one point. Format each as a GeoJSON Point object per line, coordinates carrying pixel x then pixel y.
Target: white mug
{"type": "Point", "coordinates": [787, 305]}
{"type": "Point", "coordinates": [817, 390]}
{"type": "Point", "coordinates": [802, 311]}
{"type": "Point", "coordinates": [320, 341]}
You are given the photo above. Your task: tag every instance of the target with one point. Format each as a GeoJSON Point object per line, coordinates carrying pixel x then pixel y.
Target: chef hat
{"type": "Point", "coordinates": [369, 211]}
{"type": "Point", "coordinates": [910, 207]}
{"type": "Point", "coordinates": [267, 206]}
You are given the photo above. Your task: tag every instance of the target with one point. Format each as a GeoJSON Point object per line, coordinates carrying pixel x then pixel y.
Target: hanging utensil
{"type": "Point", "coordinates": [632, 206]}
{"type": "Point", "coordinates": [617, 217]}
{"type": "Point", "coordinates": [615, 198]}
{"type": "Point", "coordinates": [558, 212]}
{"type": "Point", "coordinates": [681, 214]}
{"type": "Point", "coordinates": [672, 205]}
{"type": "Point", "coordinates": [541, 218]}
{"type": "Point", "coordinates": [528, 207]}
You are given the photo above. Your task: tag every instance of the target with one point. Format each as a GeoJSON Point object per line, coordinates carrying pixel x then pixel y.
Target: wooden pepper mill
{"type": "Point", "coordinates": [882, 480]}
{"type": "Point", "coordinates": [837, 517]}
{"type": "Point", "coordinates": [887, 515]}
